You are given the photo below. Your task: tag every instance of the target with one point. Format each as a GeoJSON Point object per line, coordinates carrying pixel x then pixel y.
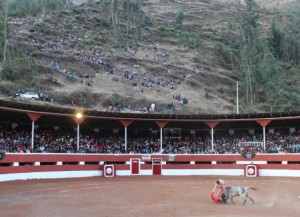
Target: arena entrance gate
{"type": "Point", "coordinates": [156, 166]}
{"type": "Point", "coordinates": [135, 166]}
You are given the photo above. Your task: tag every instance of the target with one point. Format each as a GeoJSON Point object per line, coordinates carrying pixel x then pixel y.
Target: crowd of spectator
{"type": "Point", "coordinates": [49, 42]}
{"type": "Point", "coordinates": [65, 141]}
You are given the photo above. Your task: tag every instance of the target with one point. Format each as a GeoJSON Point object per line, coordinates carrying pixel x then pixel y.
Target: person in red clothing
{"type": "Point", "coordinates": [221, 185]}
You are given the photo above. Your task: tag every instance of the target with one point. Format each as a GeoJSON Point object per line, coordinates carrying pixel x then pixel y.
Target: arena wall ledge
{"type": "Point", "coordinates": [47, 166]}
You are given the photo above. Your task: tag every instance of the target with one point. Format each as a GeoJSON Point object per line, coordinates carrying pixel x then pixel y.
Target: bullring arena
{"type": "Point", "coordinates": [48, 183]}
{"type": "Point", "coordinates": [145, 196]}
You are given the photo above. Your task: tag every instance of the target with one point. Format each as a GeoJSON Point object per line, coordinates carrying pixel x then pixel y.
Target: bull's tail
{"type": "Point", "coordinates": [251, 188]}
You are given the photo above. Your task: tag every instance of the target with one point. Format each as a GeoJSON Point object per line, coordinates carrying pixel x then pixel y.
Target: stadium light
{"type": "Point", "coordinates": [78, 116]}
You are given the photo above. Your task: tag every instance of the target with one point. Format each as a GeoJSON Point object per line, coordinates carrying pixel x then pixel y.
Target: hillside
{"type": "Point", "coordinates": [99, 56]}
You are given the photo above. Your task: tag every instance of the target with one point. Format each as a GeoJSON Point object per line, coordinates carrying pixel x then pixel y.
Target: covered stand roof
{"type": "Point", "coordinates": [62, 116]}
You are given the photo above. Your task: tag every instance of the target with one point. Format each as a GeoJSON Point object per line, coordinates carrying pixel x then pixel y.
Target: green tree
{"type": "Point", "coordinates": [179, 18]}
{"type": "Point", "coordinates": [2, 30]}
{"type": "Point", "coordinates": [114, 16]}
{"type": "Point", "coordinates": [247, 20]}
{"type": "Point", "coordinates": [276, 41]}
{"type": "Point", "coordinates": [264, 78]}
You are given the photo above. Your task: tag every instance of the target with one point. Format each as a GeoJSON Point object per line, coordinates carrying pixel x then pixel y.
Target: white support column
{"type": "Point", "coordinates": [125, 139]}
{"type": "Point", "coordinates": [212, 139]}
{"type": "Point", "coordinates": [32, 135]}
{"type": "Point", "coordinates": [161, 136]}
{"type": "Point", "coordinates": [77, 137]}
{"type": "Point", "coordinates": [264, 135]}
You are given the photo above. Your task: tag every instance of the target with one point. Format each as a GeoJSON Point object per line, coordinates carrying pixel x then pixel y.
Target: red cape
{"type": "Point", "coordinates": [214, 198]}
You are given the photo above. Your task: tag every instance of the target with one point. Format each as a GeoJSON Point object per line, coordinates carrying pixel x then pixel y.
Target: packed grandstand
{"type": "Point", "coordinates": [38, 129]}
{"type": "Point", "coordinates": [56, 141]}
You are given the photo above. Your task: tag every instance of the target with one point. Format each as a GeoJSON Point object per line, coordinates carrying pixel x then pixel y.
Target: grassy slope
{"type": "Point", "coordinates": [209, 88]}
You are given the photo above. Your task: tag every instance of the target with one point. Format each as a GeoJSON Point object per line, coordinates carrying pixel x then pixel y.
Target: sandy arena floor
{"type": "Point", "coordinates": [145, 196]}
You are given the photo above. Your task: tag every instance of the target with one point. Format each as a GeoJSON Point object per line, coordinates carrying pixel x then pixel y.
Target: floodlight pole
{"type": "Point", "coordinates": [78, 135]}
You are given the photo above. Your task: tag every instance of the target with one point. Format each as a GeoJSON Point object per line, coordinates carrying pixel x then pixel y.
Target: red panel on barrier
{"type": "Point", "coordinates": [135, 166]}
{"type": "Point", "coordinates": [251, 170]}
{"type": "Point", "coordinates": [156, 166]}
{"type": "Point", "coordinates": [109, 170]}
